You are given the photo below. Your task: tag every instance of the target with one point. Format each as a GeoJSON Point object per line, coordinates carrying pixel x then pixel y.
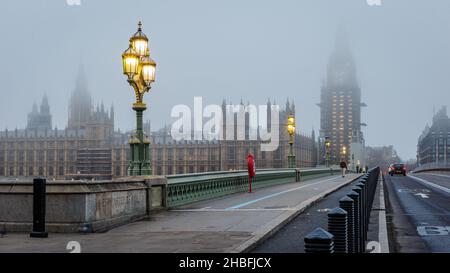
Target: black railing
{"type": "Point", "coordinates": [348, 224]}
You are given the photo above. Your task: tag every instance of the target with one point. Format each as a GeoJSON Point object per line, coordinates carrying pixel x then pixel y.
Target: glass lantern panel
{"type": "Point", "coordinates": [140, 46]}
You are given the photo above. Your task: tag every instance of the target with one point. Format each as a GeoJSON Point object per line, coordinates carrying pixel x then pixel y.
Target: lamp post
{"type": "Point", "coordinates": [344, 153]}
{"type": "Point", "coordinates": [327, 151]}
{"type": "Point", "coordinates": [291, 131]}
{"type": "Point", "coordinates": [140, 71]}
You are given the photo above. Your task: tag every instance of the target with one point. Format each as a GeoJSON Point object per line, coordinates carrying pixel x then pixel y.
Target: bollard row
{"type": "Point", "coordinates": [347, 224]}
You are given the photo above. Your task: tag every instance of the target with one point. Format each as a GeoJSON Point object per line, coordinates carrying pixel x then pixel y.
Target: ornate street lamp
{"type": "Point", "coordinates": [140, 70]}
{"type": "Point", "coordinates": [327, 150]}
{"type": "Point", "coordinates": [291, 132]}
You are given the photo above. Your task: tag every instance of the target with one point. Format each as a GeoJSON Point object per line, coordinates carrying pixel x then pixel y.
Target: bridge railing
{"type": "Point", "coordinates": [434, 166]}
{"type": "Point", "coordinates": [189, 188]}
{"type": "Point", "coordinates": [348, 223]}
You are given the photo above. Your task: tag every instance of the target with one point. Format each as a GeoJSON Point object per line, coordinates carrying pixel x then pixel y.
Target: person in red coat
{"type": "Point", "coordinates": [251, 170]}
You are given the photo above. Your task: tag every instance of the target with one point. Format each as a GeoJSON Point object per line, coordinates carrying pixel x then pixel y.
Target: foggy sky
{"type": "Point", "coordinates": [233, 49]}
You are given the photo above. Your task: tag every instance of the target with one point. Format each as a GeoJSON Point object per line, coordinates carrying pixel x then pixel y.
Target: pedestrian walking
{"type": "Point", "coordinates": [343, 167]}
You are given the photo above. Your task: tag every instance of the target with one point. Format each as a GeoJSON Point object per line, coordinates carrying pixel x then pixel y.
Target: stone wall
{"type": "Point", "coordinates": [82, 206]}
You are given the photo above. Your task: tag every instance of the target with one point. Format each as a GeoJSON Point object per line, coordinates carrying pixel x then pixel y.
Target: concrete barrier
{"type": "Point", "coordinates": [82, 206]}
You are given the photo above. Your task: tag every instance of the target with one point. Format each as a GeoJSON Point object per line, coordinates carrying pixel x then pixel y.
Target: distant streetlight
{"type": "Point", "coordinates": [291, 132]}
{"type": "Point", "coordinates": [344, 152]}
{"type": "Point", "coordinates": [140, 70]}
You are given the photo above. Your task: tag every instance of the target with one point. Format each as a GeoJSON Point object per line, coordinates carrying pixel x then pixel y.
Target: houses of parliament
{"type": "Point", "coordinates": [90, 147]}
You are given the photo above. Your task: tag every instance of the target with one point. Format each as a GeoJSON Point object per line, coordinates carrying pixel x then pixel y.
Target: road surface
{"type": "Point", "coordinates": [290, 238]}
{"type": "Point", "coordinates": [418, 213]}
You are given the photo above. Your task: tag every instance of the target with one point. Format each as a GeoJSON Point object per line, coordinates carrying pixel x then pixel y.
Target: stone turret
{"type": "Point", "coordinates": [40, 119]}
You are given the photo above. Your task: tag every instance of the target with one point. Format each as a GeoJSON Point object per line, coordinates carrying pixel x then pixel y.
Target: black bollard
{"type": "Point", "coordinates": [337, 226]}
{"type": "Point", "coordinates": [39, 200]}
{"type": "Point", "coordinates": [370, 194]}
{"type": "Point", "coordinates": [364, 209]}
{"type": "Point", "coordinates": [368, 208]}
{"type": "Point", "coordinates": [346, 203]}
{"type": "Point", "coordinates": [361, 219]}
{"type": "Point", "coordinates": [319, 241]}
{"type": "Point", "coordinates": [357, 234]}
{"type": "Point", "coordinates": [374, 184]}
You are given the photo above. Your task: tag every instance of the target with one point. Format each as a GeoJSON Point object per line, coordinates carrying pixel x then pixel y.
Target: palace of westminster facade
{"type": "Point", "coordinates": [90, 148]}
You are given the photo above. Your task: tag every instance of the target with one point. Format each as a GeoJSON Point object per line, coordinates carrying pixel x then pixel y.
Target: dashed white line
{"type": "Point", "coordinates": [440, 175]}
{"type": "Point", "coordinates": [423, 181]}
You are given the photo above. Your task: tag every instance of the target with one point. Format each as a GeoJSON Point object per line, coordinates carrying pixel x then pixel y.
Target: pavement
{"type": "Point", "coordinates": [230, 224]}
{"type": "Point", "coordinates": [419, 213]}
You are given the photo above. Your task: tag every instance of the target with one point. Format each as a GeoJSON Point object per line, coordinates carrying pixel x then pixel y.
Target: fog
{"type": "Point", "coordinates": [230, 49]}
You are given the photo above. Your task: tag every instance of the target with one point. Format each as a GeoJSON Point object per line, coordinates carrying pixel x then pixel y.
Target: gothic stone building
{"type": "Point", "coordinates": [84, 148]}
{"type": "Point", "coordinates": [175, 157]}
{"type": "Point", "coordinates": [90, 148]}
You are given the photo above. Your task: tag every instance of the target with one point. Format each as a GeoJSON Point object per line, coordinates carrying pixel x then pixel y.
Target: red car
{"type": "Point", "coordinates": [397, 169]}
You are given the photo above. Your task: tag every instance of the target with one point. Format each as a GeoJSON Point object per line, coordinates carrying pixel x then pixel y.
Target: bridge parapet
{"type": "Point", "coordinates": [82, 206]}
{"type": "Point", "coordinates": [95, 206]}
{"type": "Point", "coordinates": [433, 167]}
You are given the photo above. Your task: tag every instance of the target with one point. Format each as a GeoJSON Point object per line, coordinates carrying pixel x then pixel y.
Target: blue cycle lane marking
{"type": "Point", "coordinates": [276, 194]}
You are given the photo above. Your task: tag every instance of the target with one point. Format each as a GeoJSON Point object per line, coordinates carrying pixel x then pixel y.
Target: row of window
{"type": "Point", "coordinates": [50, 144]}
{"type": "Point", "coordinates": [39, 155]}
{"type": "Point", "coordinates": [31, 171]}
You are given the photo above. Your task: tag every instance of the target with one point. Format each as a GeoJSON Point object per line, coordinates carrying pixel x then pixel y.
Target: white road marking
{"type": "Point", "coordinates": [278, 193]}
{"type": "Point", "coordinates": [423, 195]}
{"type": "Point", "coordinates": [447, 190]}
{"type": "Point", "coordinates": [435, 174]}
{"type": "Point", "coordinates": [74, 247]}
{"type": "Point", "coordinates": [373, 247]}
{"type": "Point", "coordinates": [413, 191]}
{"type": "Point", "coordinates": [433, 231]}
{"type": "Point", "coordinates": [234, 210]}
